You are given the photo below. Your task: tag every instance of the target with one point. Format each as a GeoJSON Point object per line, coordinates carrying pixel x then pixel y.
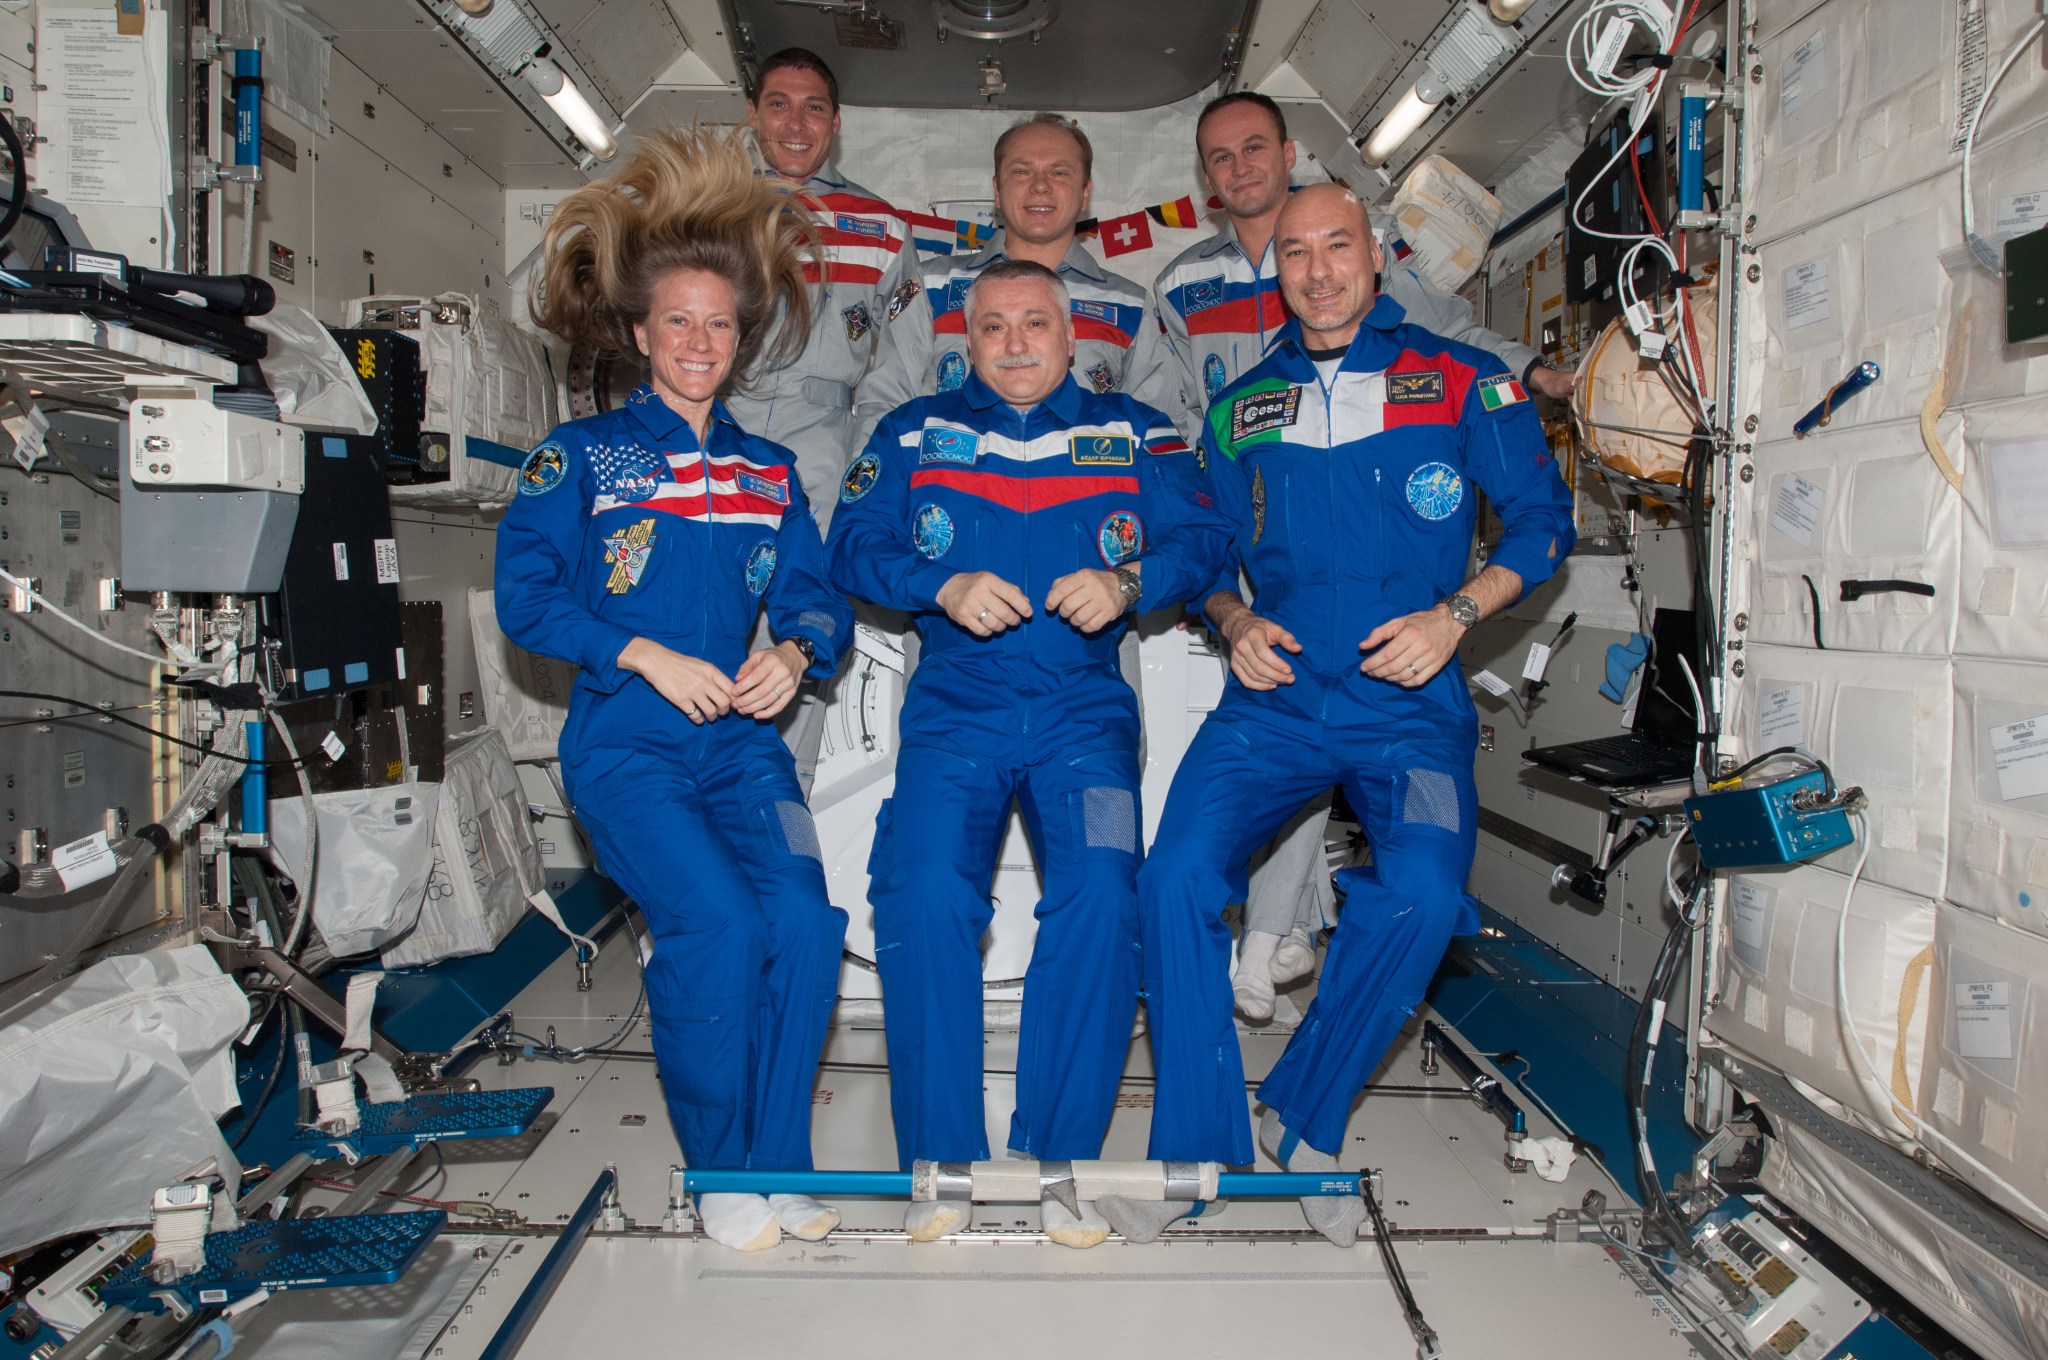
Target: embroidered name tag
{"type": "Point", "coordinates": [767, 488]}
{"type": "Point", "coordinates": [1403, 388]}
{"type": "Point", "coordinates": [1101, 449]}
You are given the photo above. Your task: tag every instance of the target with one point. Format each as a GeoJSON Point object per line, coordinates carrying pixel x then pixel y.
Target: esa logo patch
{"type": "Point", "coordinates": [1102, 450]}
{"type": "Point", "coordinates": [1120, 538]}
{"type": "Point", "coordinates": [1213, 380]}
{"type": "Point", "coordinates": [1406, 388]}
{"type": "Point", "coordinates": [543, 469]}
{"type": "Point", "coordinates": [626, 553]}
{"type": "Point", "coordinates": [940, 445]}
{"type": "Point", "coordinates": [860, 478]}
{"type": "Point", "coordinates": [1100, 378]}
{"type": "Point", "coordinates": [931, 531]}
{"type": "Point", "coordinates": [1435, 490]}
{"type": "Point", "coordinates": [858, 321]}
{"type": "Point", "coordinates": [900, 299]}
{"type": "Point", "coordinates": [1201, 295]}
{"type": "Point", "coordinates": [760, 567]}
{"type": "Point", "coordinates": [767, 488]}
{"type": "Point", "coordinates": [952, 371]}
{"type": "Point", "coordinates": [861, 226]}
{"type": "Point", "coordinates": [1261, 411]}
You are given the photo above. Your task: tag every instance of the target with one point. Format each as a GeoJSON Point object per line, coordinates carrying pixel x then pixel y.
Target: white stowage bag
{"type": "Point", "coordinates": [110, 1086]}
{"type": "Point", "coordinates": [311, 377]}
{"type": "Point", "coordinates": [526, 697]}
{"type": "Point", "coordinates": [488, 390]}
{"type": "Point", "coordinates": [375, 851]}
{"type": "Point", "coordinates": [1447, 218]}
{"type": "Point", "coordinates": [486, 860]}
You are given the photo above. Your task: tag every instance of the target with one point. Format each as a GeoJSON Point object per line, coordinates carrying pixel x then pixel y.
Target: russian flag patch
{"type": "Point", "coordinates": [1495, 393]}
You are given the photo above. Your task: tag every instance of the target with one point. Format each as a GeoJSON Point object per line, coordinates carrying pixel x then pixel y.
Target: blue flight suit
{"type": "Point", "coordinates": [962, 482]}
{"type": "Point", "coordinates": [626, 527]}
{"type": "Point", "coordinates": [1353, 504]}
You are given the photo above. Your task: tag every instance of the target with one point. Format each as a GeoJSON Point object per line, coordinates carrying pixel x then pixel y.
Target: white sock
{"type": "Point", "coordinates": [1142, 1220]}
{"type": "Point", "coordinates": [1336, 1217]}
{"type": "Point", "coordinates": [930, 1219]}
{"type": "Point", "coordinates": [1087, 1229]}
{"type": "Point", "coordinates": [1296, 956]}
{"type": "Point", "coordinates": [803, 1217]}
{"type": "Point", "coordinates": [742, 1222]}
{"type": "Point", "coordinates": [1251, 984]}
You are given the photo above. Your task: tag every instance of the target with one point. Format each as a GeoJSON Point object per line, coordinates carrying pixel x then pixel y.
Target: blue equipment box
{"type": "Point", "coordinates": [1741, 828]}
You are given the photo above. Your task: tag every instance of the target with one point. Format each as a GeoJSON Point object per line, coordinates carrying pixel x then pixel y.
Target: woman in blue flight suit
{"type": "Point", "coordinates": [643, 544]}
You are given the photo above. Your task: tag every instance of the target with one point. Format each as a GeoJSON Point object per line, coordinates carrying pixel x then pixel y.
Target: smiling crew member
{"type": "Point", "coordinates": [1019, 518]}
{"type": "Point", "coordinates": [643, 544]}
{"type": "Point", "coordinates": [864, 255]}
{"type": "Point", "coordinates": [1350, 461]}
{"type": "Point", "coordinates": [1220, 300]}
{"type": "Point", "coordinates": [1043, 179]}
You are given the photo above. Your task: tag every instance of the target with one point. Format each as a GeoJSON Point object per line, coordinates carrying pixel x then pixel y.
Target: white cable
{"type": "Point", "coordinates": [1869, 1076]}
{"type": "Point", "coordinates": [1986, 253]}
{"type": "Point", "coordinates": [1580, 48]}
{"type": "Point", "coordinates": [19, 584]}
{"type": "Point", "coordinates": [305, 912]}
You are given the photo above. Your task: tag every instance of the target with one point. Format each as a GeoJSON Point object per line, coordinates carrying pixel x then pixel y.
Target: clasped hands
{"type": "Point", "coordinates": [1407, 651]}
{"type": "Point", "coordinates": [763, 686]}
{"type": "Point", "coordinates": [985, 604]}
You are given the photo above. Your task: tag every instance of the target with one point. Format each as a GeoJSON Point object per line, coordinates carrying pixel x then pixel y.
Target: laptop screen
{"type": "Point", "coordinates": [1666, 706]}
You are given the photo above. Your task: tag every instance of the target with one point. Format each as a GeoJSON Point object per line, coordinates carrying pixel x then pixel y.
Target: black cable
{"type": "Point", "coordinates": [249, 1120]}
{"type": "Point", "coordinates": [95, 711]}
{"type": "Point", "coordinates": [18, 195]}
{"type": "Point", "coordinates": [1814, 591]}
{"type": "Point", "coordinates": [1641, 1056]}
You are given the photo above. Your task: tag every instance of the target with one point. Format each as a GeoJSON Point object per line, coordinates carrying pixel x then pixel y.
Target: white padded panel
{"type": "Point", "coordinates": [1998, 863]}
{"type": "Point", "coordinates": [2002, 569]}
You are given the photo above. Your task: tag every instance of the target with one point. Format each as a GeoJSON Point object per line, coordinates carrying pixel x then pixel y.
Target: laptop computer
{"type": "Point", "coordinates": [1659, 746]}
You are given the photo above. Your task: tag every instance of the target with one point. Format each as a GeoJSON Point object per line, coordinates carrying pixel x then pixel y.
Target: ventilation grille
{"type": "Point", "coordinates": [1471, 47]}
{"type": "Point", "coordinates": [506, 35]}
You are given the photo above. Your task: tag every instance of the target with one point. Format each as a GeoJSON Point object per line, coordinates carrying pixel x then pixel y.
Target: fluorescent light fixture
{"type": "Point", "coordinates": [1507, 11]}
{"type": "Point", "coordinates": [1400, 124]}
{"type": "Point", "coordinates": [571, 107]}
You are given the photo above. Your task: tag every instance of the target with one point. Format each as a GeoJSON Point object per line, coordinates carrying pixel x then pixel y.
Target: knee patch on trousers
{"type": "Point", "coordinates": [799, 832]}
{"type": "Point", "coordinates": [1431, 799]}
{"type": "Point", "coordinates": [1109, 819]}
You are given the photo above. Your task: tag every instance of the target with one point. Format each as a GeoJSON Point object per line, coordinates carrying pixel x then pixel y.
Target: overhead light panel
{"type": "Point", "coordinates": [1410, 113]}
{"type": "Point", "coordinates": [571, 107]}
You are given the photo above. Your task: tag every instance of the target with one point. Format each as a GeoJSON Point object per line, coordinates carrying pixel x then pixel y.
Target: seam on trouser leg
{"type": "Point", "coordinates": [1109, 817]}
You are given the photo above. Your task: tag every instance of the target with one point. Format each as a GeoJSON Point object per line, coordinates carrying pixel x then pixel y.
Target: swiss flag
{"type": "Point", "coordinates": [1121, 235]}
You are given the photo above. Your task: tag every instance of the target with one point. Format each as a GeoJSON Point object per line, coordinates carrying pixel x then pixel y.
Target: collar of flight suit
{"type": "Point", "coordinates": [1063, 401]}
{"type": "Point", "coordinates": [1371, 350]}
{"type": "Point", "coordinates": [827, 176]}
{"type": "Point", "coordinates": [1078, 259]}
{"type": "Point", "coordinates": [663, 422]}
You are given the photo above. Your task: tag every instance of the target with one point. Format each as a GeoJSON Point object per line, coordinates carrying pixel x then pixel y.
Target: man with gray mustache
{"type": "Point", "coordinates": [1019, 519]}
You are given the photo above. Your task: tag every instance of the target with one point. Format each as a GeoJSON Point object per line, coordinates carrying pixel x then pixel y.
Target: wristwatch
{"type": "Point", "coordinates": [1463, 608]}
{"type": "Point", "coordinates": [807, 647]}
{"type": "Point", "coordinates": [1128, 582]}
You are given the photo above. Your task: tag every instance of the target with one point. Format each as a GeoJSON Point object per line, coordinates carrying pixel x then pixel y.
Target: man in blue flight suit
{"type": "Point", "coordinates": [1019, 519]}
{"type": "Point", "coordinates": [1349, 460]}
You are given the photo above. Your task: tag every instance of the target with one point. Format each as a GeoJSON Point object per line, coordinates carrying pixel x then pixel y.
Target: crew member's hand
{"type": "Point", "coordinates": [1255, 647]}
{"type": "Point", "coordinates": [1409, 650]}
{"type": "Point", "coordinates": [1088, 599]}
{"type": "Point", "coordinates": [983, 603]}
{"type": "Point", "coordinates": [698, 688]}
{"type": "Point", "coordinates": [767, 681]}
{"type": "Point", "coordinates": [1551, 382]}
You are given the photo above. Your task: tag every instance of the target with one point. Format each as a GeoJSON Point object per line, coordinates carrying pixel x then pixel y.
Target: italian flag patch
{"type": "Point", "coordinates": [1494, 393]}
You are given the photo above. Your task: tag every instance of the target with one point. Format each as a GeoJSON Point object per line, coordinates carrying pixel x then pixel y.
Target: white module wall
{"type": "Point", "coordinates": [1854, 252]}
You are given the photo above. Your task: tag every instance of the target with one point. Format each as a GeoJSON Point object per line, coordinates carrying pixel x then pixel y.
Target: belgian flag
{"type": "Point", "coordinates": [1179, 213]}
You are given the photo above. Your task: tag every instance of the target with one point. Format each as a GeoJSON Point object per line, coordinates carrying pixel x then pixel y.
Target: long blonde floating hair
{"type": "Point", "coordinates": [689, 199]}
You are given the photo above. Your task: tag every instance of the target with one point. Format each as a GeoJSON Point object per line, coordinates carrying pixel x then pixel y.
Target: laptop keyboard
{"type": "Point", "coordinates": [1626, 747]}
